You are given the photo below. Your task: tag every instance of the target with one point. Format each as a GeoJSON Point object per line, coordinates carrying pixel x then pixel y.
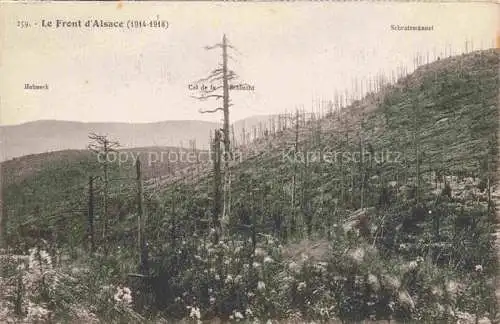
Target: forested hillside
{"type": "Point", "coordinates": [379, 210]}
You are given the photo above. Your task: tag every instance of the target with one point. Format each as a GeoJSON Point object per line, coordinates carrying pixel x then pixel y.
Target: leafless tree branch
{"type": "Point", "coordinates": [234, 49]}
{"type": "Point", "coordinates": [211, 111]}
{"type": "Point", "coordinates": [217, 75]}
{"type": "Point", "coordinates": [231, 76]}
{"type": "Point", "coordinates": [100, 141]}
{"type": "Point", "coordinates": [218, 45]}
{"type": "Point", "coordinates": [210, 77]}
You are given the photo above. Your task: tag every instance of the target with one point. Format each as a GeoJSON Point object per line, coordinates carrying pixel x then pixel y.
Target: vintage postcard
{"type": "Point", "coordinates": [254, 162]}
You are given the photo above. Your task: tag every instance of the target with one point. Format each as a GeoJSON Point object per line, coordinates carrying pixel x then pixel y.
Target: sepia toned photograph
{"type": "Point", "coordinates": [249, 162]}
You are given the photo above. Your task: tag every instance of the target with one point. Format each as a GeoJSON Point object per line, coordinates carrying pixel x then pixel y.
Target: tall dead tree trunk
{"type": "Point", "coordinates": [141, 218]}
{"type": "Point", "coordinates": [101, 145]}
{"type": "Point", "coordinates": [362, 164]}
{"type": "Point", "coordinates": [217, 207]}
{"type": "Point", "coordinates": [226, 139]}
{"type": "Point", "coordinates": [223, 74]}
{"type": "Point", "coordinates": [105, 197]}
{"type": "Point", "coordinates": [3, 223]}
{"type": "Point", "coordinates": [91, 215]}
{"type": "Point", "coordinates": [417, 147]}
{"type": "Point", "coordinates": [293, 222]}
{"type": "Point", "coordinates": [243, 137]}
{"type": "Point", "coordinates": [342, 173]}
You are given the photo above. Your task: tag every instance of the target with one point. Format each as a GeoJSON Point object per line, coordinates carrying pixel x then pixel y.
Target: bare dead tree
{"type": "Point", "coordinates": [90, 218]}
{"type": "Point", "coordinates": [233, 138]}
{"type": "Point", "coordinates": [217, 183]}
{"type": "Point", "coordinates": [102, 146]}
{"type": "Point", "coordinates": [3, 223]}
{"type": "Point", "coordinates": [195, 152]}
{"type": "Point", "coordinates": [293, 223]}
{"type": "Point", "coordinates": [416, 143]}
{"type": "Point", "coordinates": [211, 86]}
{"type": "Point", "coordinates": [243, 136]}
{"type": "Point", "coordinates": [362, 165]}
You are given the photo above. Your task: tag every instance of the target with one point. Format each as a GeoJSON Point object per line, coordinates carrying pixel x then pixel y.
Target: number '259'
{"type": "Point", "coordinates": [22, 24]}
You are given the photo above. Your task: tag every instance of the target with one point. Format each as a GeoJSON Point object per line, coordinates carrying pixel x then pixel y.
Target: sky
{"type": "Point", "coordinates": [293, 53]}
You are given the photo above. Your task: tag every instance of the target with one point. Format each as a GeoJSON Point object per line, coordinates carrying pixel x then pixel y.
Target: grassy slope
{"type": "Point", "coordinates": [456, 99]}
{"type": "Point", "coordinates": [456, 127]}
{"type": "Point", "coordinates": [457, 121]}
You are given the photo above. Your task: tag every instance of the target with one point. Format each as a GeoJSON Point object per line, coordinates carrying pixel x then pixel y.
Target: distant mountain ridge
{"type": "Point", "coordinates": [54, 135]}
